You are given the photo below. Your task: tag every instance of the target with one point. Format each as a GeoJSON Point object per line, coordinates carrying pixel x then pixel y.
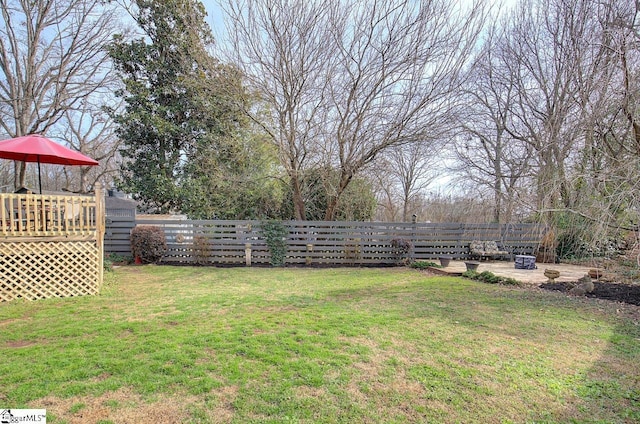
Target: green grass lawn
{"type": "Point", "coordinates": [179, 344]}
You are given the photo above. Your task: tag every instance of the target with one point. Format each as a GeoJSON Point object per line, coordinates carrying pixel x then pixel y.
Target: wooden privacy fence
{"type": "Point", "coordinates": [50, 245]}
{"type": "Point", "coordinates": [119, 223]}
{"type": "Point", "coordinates": [324, 243]}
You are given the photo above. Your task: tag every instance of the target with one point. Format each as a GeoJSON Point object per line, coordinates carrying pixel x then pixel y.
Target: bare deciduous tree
{"type": "Point", "coordinates": [344, 81]}
{"type": "Point", "coordinates": [548, 43]}
{"type": "Point", "coordinates": [561, 81]}
{"type": "Point", "coordinates": [402, 174]}
{"type": "Point", "coordinates": [398, 69]}
{"type": "Point", "coordinates": [91, 130]}
{"type": "Point", "coordinates": [51, 57]}
{"type": "Point", "coordinates": [487, 156]}
{"type": "Point", "coordinates": [283, 49]}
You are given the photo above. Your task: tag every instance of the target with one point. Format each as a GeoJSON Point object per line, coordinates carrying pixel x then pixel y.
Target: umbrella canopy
{"type": "Point", "coordinates": [36, 148]}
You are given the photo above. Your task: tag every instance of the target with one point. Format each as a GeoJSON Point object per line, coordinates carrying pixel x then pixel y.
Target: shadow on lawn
{"type": "Point", "coordinates": [602, 389]}
{"type": "Point", "coordinates": [613, 383]}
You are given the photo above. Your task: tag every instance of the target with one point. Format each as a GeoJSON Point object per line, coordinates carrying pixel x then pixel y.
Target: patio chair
{"type": "Point", "coordinates": [72, 215]}
{"type": "Point", "coordinates": [485, 249]}
{"type": "Point", "coordinates": [491, 249]}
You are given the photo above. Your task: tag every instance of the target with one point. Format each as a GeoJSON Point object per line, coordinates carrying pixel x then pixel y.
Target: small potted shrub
{"type": "Point", "coordinates": [148, 244]}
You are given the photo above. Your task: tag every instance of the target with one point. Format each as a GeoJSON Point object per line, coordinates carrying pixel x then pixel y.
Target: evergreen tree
{"type": "Point", "coordinates": [182, 124]}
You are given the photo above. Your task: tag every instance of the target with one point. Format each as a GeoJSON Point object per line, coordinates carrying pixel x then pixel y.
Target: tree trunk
{"type": "Point", "coordinates": [497, 184]}
{"type": "Point", "coordinates": [84, 174]}
{"type": "Point", "coordinates": [332, 204]}
{"type": "Point", "coordinates": [20, 174]}
{"type": "Point", "coordinates": [405, 209]}
{"type": "Point", "coordinates": [299, 212]}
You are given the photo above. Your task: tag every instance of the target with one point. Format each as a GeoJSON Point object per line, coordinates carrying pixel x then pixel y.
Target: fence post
{"type": "Point", "coordinates": [100, 230]}
{"type": "Point", "coordinates": [307, 260]}
{"type": "Point", "coordinates": [247, 254]}
{"type": "Point", "coordinates": [412, 253]}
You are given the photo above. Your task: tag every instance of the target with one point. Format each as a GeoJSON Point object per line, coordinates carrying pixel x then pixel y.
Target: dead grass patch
{"type": "Point", "coordinates": [16, 344]}
{"type": "Point", "coordinates": [304, 392]}
{"type": "Point", "coordinates": [121, 406]}
{"type": "Point", "coordinates": [224, 410]}
{"type": "Point", "coordinates": [9, 321]}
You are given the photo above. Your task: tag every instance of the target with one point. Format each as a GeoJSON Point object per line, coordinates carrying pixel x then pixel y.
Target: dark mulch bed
{"type": "Point", "coordinates": [626, 293]}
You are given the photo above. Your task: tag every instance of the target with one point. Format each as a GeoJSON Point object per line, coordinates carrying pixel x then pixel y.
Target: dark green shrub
{"type": "Point", "coordinates": [490, 278]}
{"type": "Point", "coordinates": [107, 265]}
{"type": "Point", "coordinates": [112, 259]}
{"type": "Point", "coordinates": [424, 265]}
{"type": "Point", "coordinates": [116, 258]}
{"type": "Point", "coordinates": [148, 243]}
{"type": "Point", "coordinates": [510, 281]}
{"type": "Point", "coordinates": [570, 245]}
{"type": "Point", "coordinates": [470, 274]}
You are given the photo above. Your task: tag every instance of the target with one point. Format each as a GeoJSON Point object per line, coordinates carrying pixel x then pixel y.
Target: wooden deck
{"type": "Point", "coordinates": [51, 245]}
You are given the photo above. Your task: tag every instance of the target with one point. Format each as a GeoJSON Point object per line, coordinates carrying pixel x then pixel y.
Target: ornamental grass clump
{"type": "Point", "coordinates": [402, 248]}
{"type": "Point", "coordinates": [148, 243]}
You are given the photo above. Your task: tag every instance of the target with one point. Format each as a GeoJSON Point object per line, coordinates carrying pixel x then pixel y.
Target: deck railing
{"type": "Point", "coordinates": [37, 215]}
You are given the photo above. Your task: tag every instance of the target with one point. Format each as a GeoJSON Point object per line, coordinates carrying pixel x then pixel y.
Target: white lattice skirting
{"type": "Point", "coordinates": [37, 270]}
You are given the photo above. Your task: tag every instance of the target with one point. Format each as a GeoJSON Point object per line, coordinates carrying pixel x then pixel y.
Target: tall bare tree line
{"type": "Point", "coordinates": [554, 112]}
{"type": "Point", "coordinates": [538, 106]}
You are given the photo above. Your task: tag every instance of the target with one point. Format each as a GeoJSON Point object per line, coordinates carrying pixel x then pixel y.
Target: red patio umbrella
{"type": "Point", "coordinates": [36, 148]}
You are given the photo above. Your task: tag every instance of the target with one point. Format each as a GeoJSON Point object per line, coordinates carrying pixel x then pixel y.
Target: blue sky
{"type": "Point", "coordinates": [214, 18]}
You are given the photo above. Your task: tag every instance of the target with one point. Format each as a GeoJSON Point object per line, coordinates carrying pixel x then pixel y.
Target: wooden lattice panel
{"type": "Point", "coordinates": [37, 270]}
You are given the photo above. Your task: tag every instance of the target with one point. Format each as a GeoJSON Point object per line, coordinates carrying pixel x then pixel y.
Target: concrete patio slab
{"type": "Point", "coordinates": [507, 269]}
